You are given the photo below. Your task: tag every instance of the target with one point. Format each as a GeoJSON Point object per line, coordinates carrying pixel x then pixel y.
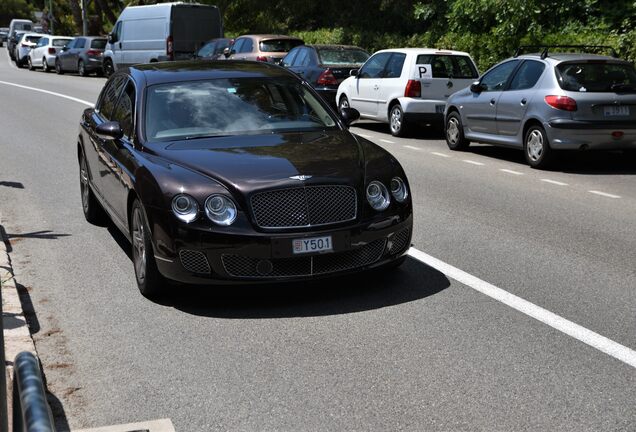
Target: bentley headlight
{"type": "Point", "coordinates": [220, 210]}
{"type": "Point", "coordinates": [399, 190]}
{"type": "Point", "coordinates": [185, 208]}
{"type": "Point", "coordinates": [378, 196]}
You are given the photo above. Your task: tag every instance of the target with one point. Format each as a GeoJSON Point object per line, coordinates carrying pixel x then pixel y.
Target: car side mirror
{"type": "Point", "coordinates": [64, 48]}
{"type": "Point", "coordinates": [227, 52]}
{"type": "Point", "coordinates": [349, 115]}
{"type": "Point", "coordinates": [354, 72]}
{"type": "Point", "coordinates": [476, 87]}
{"type": "Point", "coordinates": [112, 38]}
{"type": "Point", "coordinates": [109, 130]}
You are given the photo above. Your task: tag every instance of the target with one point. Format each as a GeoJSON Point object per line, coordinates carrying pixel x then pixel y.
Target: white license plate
{"type": "Point", "coordinates": [611, 111]}
{"type": "Point", "coordinates": [439, 109]}
{"type": "Point", "coordinates": [312, 244]}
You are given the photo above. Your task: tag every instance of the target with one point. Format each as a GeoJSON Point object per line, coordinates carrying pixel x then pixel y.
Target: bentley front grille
{"type": "Point", "coordinates": [304, 206]}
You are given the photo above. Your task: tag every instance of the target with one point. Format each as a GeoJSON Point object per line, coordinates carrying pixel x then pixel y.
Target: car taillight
{"type": "Point", "coordinates": [413, 89]}
{"type": "Point", "coordinates": [261, 58]}
{"type": "Point", "coordinates": [93, 53]}
{"type": "Point", "coordinates": [170, 48]}
{"type": "Point", "coordinates": [52, 51]}
{"type": "Point", "coordinates": [327, 78]}
{"type": "Point", "coordinates": [565, 103]}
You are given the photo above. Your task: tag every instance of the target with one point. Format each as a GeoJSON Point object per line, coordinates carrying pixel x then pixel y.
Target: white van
{"type": "Point", "coordinates": [160, 32]}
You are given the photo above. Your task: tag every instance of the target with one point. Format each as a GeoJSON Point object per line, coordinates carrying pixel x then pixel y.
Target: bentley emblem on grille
{"type": "Point", "coordinates": [301, 177]}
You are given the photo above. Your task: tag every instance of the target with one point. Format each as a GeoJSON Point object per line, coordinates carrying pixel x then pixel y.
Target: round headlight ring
{"type": "Point", "coordinates": [220, 209]}
{"type": "Point", "coordinates": [399, 189]}
{"type": "Point", "coordinates": [185, 208]}
{"type": "Point", "coordinates": [378, 196]}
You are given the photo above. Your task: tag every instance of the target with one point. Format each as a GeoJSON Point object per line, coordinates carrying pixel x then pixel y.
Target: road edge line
{"type": "Point", "coordinates": [48, 92]}
{"type": "Point", "coordinates": [582, 334]}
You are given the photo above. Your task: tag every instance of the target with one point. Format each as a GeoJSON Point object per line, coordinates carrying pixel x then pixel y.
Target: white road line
{"type": "Point", "coordinates": [595, 340]}
{"type": "Point", "coordinates": [440, 154]}
{"type": "Point", "coordinates": [605, 194]}
{"type": "Point", "coordinates": [510, 171]}
{"type": "Point", "coordinates": [472, 162]}
{"type": "Point", "coordinates": [554, 182]}
{"type": "Point", "coordinates": [364, 136]}
{"type": "Point", "coordinates": [412, 148]}
{"type": "Point", "coordinates": [387, 141]}
{"type": "Point", "coordinates": [48, 92]}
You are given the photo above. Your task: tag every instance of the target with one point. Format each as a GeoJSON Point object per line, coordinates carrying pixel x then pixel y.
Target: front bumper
{"type": "Point", "coordinates": [212, 258]}
{"type": "Point", "coordinates": [565, 134]}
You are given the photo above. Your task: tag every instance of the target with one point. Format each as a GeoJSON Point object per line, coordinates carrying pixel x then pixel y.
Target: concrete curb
{"type": "Point", "coordinates": [17, 337]}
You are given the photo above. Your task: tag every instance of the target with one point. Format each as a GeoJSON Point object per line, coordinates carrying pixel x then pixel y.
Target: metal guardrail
{"type": "Point", "coordinates": [31, 412]}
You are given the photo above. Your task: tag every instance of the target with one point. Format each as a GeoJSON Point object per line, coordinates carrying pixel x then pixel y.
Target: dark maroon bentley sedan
{"type": "Point", "coordinates": [226, 172]}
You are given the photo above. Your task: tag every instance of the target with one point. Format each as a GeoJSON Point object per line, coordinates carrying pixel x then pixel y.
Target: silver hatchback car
{"type": "Point", "coordinates": [546, 102]}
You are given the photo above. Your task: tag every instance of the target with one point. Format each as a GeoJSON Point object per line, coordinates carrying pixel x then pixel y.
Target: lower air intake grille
{"type": "Point", "coordinates": [247, 267]}
{"type": "Point", "coordinates": [194, 261]}
{"type": "Point", "coordinates": [399, 241]}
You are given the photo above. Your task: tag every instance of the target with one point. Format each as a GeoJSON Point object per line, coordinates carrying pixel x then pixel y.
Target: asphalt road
{"type": "Point", "coordinates": [410, 350]}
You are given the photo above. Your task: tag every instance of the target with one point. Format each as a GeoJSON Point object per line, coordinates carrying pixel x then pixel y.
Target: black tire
{"type": "Point", "coordinates": [93, 211]}
{"type": "Point", "coordinates": [81, 68]}
{"type": "Point", "coordinates": [30, 64]}
{"type": "Point", "coordinates": [149, 281]}
{"type": "Point", "coordinates": [536, 148]}
{"type": "Point", "coordinates": [397, 123]}
{"type": "Point", "coordinates": [45, 65]}
{"type": "Point", "coordinates": [108, 68]}
{"type": "Point", "coordinates": [343, 103]}
{"type": "Point", "coordinates": [454, 132]}
{"type": "Point", "coordinates": [58, 67]}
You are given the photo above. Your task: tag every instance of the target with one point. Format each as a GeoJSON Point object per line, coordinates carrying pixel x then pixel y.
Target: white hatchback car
{"type": "Point", "coordinates": [406, 85]}
{"type": "Point", "coordinates": [43, 54]}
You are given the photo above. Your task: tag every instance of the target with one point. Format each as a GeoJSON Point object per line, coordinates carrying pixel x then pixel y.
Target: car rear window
{"type": "Point", "coordinates": [449, 66]}
{"type": "Point", "coordinates": [334, 57]}
{"type": "Point", "coordinates": [98, 43]}
{"type": "Point", "coordinates": [60, 42]}
{"type": "Point", "coordinates": [233, 106]}
{"type": "Point", "coordinates": [32, 39]}
{"type": "Point", "coordinates": [279, 45]}
{"type": "Point", "coordinates": [596, 76]}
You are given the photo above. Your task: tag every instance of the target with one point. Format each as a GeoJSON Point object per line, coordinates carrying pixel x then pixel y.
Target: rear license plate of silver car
{"type": "Point", "coordinates": [613, 111]}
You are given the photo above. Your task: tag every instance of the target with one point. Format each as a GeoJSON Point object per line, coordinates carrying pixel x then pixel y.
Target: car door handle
{"type": "Point", "coordinates": [492, 101]}
{"type": "Point", "coordinates": [524, 101]}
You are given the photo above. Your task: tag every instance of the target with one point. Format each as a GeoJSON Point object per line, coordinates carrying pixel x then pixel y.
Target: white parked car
{"type": "Point", "coordinates": [26, 42]}
{"type": "Point", "coordinates": [43, 54]}
{"type": "Point", "coordinates": [406, 85]}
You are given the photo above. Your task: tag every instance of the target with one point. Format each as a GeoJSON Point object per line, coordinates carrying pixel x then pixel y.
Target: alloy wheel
{"type": "Point", "coordinates": [396, 119]}
{"type": "Point", "coordinates": [84, 185]}
{"type": "Point", "coordinates": [452, 131]}
{"type": "Point", "coordinates": [138, 245]}
{"type": "Point", "coordinates": [535, 145]}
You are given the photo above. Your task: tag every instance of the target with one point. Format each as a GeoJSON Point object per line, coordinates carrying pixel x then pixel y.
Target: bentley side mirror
{"type": "Point", "coordinates": [476, 87]}
{"type": "Point", "coordinates": [354, 72]}
{"type": "Point", "coordinates": [109, 130]}
{"type": "Point", "coordinates": [349, 115]}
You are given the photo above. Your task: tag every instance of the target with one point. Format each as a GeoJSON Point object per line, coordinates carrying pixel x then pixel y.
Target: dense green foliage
{"type": "Point", "coordinates": [489, 29]}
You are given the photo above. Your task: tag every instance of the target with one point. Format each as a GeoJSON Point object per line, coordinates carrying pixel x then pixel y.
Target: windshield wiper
{"type": "Point", "coordinates": [623, 88]}
{"type": "Point", "coordinates": [192, 137]}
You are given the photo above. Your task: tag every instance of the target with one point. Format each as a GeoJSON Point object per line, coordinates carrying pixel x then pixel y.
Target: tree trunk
{"type": "Point", "coordinates": [77, 15]}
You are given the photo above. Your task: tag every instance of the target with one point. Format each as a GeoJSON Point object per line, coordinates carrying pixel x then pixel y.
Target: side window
{"type": "Point", "coordinates": [42, 42]}
{"type": "Point", "coordinates": [527, 75]}
{"type": "Point", "coordinates": [394, 66]}
{"type": "Point", "coordinates": [238, 45]}
{"type": "Point", "coordinates": [248, 45]}
{"type": "Point", "coordinates": [464, 67]}
{"type": "Point", "coordinates": [81, 43]}
{"type": "Point", "coordinates": [71, 44]}
{"type": "Point", "coordinates": [496, 78]}
{"type": "Point", "coordinates": [124, 110]}
{"type": "Point", "coordinates": [117, 31]}
{"type": "Point", "coordinates": [109, 96]}
{"type": "Point", "coordinates": [374, 67]}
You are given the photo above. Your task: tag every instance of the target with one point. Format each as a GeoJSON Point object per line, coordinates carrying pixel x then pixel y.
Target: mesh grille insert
{"type": "Point", "coordinates": [194, 261]}
{"type": "Point", "coordinates": [399, 241]}
{"type": "Point", "coordinates": [248, 267]}
{"type": "Point", "coordinates": [301, 207]}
